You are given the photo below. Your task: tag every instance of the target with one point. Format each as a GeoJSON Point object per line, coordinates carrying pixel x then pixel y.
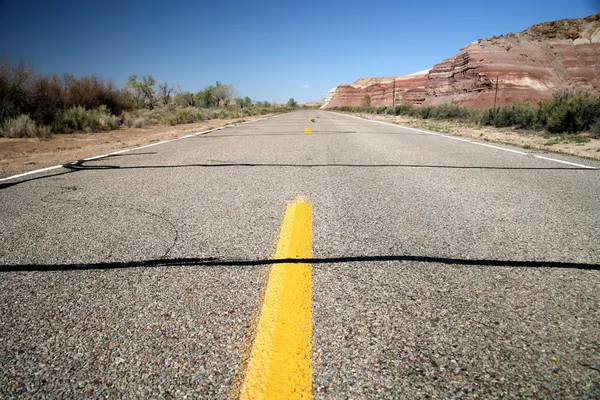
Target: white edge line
{"type": "Point", "coordinates": [500, 148]}
{"type": "Point", "coordinates": [31, 172]}
{"type": "Point", "coordinates": [563, 162]}
{"type": "Point", "coordinates": [472, 142]}
{"type": "Point", "coordinates": [37, 171]}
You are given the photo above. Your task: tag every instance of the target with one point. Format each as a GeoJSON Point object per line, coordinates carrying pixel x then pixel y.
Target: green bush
{"type": "Point", "coordinates": [224, 114]}
{"type": "Point", "coordinates": [185, 116]}
{"type": "Point", "coordinates": [22, 127]}
{"type": "Point", "coordinates": [404, 109]}
{"type": "Point", "coordinates": [78, 119]}
{"type": "Point", "coordinates": [109, 122]}
{"type": "Point", "coordinates": [43, 98]}
{"type": "Point", "coordinates": [596, 130]}
{"type": "Point", "coordinates": [520, 115]}
{"type": "Point", "coordinates": [448, 110]}
{"type": "Point", "coordinates": [484, 116]}
{"type": "Point", "coordinates": [133, 120]}
{"type": "Point", "coordinates": [572, 111]}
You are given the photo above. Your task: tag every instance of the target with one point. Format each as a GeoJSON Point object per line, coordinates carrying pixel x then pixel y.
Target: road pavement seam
{"type": "Point", "coordinates": [37, 171]}
{"type": "Point", "coordinates": [280, 362]}
{"type": "Point", "coordinates": [472, 142]}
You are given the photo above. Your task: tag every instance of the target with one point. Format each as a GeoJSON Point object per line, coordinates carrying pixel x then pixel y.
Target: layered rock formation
{"type": "Point", "coordinates": [528, 66]}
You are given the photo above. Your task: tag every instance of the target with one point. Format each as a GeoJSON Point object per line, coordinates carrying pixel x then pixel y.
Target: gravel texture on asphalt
{"type": "Point", "coordinates": [136, 333]}
{"type": "Point", "coordinates": [413, 330]}
{"type": "Point", "coordinates": [400, 329]}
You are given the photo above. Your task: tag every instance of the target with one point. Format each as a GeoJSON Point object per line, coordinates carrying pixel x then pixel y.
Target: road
{"type": "Point", "coordinates": [441, 267]}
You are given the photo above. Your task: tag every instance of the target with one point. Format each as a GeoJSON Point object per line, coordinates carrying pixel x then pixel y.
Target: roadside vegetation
{"type": "Point", "coordinates": [570, 112]}
{"type": "Point", "coordinates": [34, 105]}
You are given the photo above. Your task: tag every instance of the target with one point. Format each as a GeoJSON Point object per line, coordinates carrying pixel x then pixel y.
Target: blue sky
{"type": "Point", "coordinates": [268, 50]}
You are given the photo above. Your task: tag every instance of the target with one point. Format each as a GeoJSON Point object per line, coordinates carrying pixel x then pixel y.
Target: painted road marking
{"type": "Point", "coordinates": [307, 131]}
{"type": "Point", "coordinates": [562, 162]}
{"type": "Point", "coordinates": [472, 142]}
{"type": "Point", "coordinates": [37, 171]}
{"type": "Point", "coordinates": [280, 362]}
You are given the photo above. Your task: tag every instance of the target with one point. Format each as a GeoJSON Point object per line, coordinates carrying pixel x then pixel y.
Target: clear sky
{"type": "Point", "coordinates": [268, 50]}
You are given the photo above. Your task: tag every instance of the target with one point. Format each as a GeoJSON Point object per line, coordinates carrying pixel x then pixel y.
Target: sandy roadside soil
{"type": "Point", "coordinates": [22, 155]}
{"type": "Point", "coordinates": [525, 139]}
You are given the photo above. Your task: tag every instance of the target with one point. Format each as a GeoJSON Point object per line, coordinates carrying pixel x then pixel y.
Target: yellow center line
{"type": "Point", "coordinates": [280, 361]}
{"type": "Point", "coordinates": [308, 131]}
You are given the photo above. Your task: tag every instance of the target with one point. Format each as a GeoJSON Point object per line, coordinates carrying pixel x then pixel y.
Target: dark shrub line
{"type": "Point", "coordinates": [34, 105]}
{"type": "Point", "coordinates": [569, 111]}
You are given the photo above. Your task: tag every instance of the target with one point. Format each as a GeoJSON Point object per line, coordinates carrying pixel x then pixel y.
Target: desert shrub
{"type": "Point", "coordinates": [572, 111]}
{"type": "Point", "coordinates": [421, 112]}
{"type": "Point", "coordinates": [109, 122]}
{"type": "Point", "coordinates": [140, 122]}
{"type": "Point", "coordinates": [78, 119]}
{"type": "Point", "coordinates": [23, 126]}
{"type": "Point", "coordinates": [44, 98]}
{"type": "Point", "coordinates": [520, 115]}
{"type": "Point", "coordinates": [483, 116]}
{"type": "Point", "coordinates": [596, 130]}
{"type": "Point", "coordinates": [403, 109]}
{"type": "Point", "coordinates": [92, 92]}
{"type": "Point", "coordinates": [75, 119]}
{"type": "Point", "coordinates": [184, 116]}
{"type": "Point", "coordinates": [448, 110]}
{"type": "Point", "coordinates": [133, 120]}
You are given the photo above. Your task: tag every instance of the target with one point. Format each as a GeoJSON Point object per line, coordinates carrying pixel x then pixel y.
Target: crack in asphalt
{"type": "Point", "coordinates": [215, 261]}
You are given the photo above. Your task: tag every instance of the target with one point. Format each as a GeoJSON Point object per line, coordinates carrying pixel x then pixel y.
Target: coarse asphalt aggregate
{"type": "Point", "coordinates": [400, 309]}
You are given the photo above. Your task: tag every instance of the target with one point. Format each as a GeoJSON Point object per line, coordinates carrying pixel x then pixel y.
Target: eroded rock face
{"type": "Point", "coordinates": [528, 66]}
{"type": "Point", "coordinates": [407, 89]}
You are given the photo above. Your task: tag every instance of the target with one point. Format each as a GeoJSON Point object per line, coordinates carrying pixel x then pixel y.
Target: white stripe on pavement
{"type": "Point", "coordinates": [37, 171]}
{"type": "Point", "coordinates": [472, 142]}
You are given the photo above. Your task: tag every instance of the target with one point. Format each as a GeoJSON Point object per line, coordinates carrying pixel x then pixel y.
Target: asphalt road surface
{"type": "Point", "coordinates": [441, 268]}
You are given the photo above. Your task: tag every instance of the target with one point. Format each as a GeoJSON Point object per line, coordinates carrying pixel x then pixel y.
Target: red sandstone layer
{"type": "Point", "coordinates": [528, 66]}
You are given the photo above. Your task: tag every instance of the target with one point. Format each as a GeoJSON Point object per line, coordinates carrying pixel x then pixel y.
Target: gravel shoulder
{"type": "Point", "coordinates": [25, 154]}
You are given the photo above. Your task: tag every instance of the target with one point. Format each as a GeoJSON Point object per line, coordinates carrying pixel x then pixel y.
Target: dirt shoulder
{"type": "Point", "coordinates": [578, 145]}
{"type": "Point", "coordinates": [22, 155]}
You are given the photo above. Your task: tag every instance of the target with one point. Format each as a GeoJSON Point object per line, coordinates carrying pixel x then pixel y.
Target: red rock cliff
{"type": "Point", "coordinates": [528, 66]}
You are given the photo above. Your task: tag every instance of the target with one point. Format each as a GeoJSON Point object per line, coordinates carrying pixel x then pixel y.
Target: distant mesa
{"type": "Point", "coordinates": [313, 103]}
{"type": "Point", "coordinates": [529, 66]}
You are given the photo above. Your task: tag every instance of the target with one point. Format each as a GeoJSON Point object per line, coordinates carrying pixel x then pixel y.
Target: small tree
{"type": "Point", "coordinates": [185, 98]}
{"type": "Point", "coordinates": [292, 103]}
{"type": "Point", "coordinates": [224, 93]}
{"type": "Point", "coordinates": [164, 92]}
{"type": "Point", "coordinates": [147, 86]}
{"type": "Point", "coordinates": [366, 101]}
{"type": "Point", "coordinates": [133, 90]}
{"type": "Point", "coordinates": [141, 91]}
{"type": "Point", "coordinates": [207, 97]}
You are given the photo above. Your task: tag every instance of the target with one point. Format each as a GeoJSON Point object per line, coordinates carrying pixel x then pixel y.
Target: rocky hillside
{"type": "Point", "coordinates": [527, 66]}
